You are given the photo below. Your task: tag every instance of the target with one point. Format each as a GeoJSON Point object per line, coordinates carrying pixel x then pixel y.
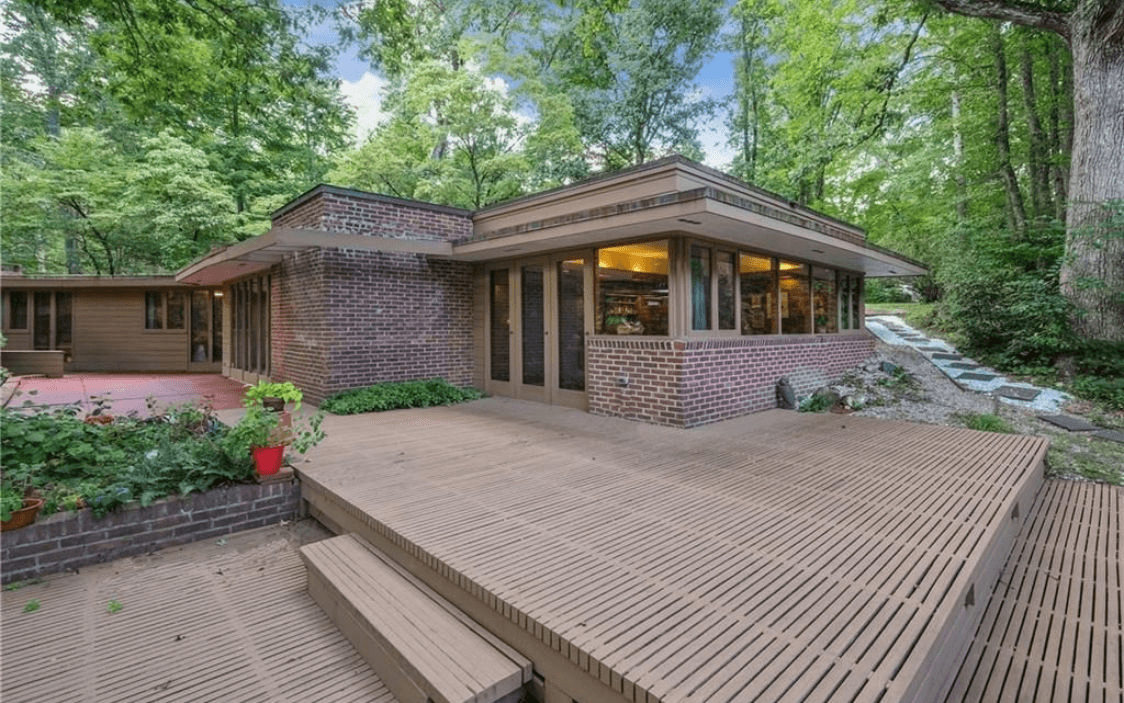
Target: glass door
{"type": "Point", "coordinates": [572, 313]}
{"type": "Point", "coordinates": [532, 331]}
{"type": "Point", "coordinates": [205, 338]}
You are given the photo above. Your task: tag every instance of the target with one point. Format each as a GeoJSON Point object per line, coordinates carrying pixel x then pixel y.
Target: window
{"type": "Point", "coordinates": [759, 294]}
{"type": "Point", "coordinates": [500, 326]}
{"type": "Point", "coordinates": [856, 302]}
{"type": "Point", "coordinates": [632, 289]}
{"type": "Point", "coordinates": [824, 298]}
{"type": "Point", "coordinates": [162, 307]}
{"type": "Point", "coordinates": [17, 310]}
{"type": "Point", "coordinates": [844, 301]}
{"type": "Point", "coordinates": [795, 301]}
{"type": "Point", "coordinates": [64, 306]}
{"type": "Point", "coordinates": [713, 289]}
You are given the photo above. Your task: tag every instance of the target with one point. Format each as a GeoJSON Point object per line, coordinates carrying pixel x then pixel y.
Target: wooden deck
{"type": "Point", "coordinates": [1053, 630]}
{"type": "Point", "coordinates": [777, 557]}
{"type": "Point", "coordinates": [207, 622]}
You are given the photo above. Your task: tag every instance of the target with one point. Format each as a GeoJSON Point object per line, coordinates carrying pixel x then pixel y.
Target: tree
{"type": "Point", "coordinates": [1092, 275]}
{"type": "Point", "coordinates": [643, 102]}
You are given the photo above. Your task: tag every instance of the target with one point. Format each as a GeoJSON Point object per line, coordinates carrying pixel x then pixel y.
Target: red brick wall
{"type": "Point", "coordinates": [685, 383]}
{"type": "Point", "coordinates": [345, 318]}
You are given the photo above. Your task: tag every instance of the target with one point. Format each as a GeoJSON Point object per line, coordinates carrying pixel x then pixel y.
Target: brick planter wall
{"type": "Point", "coordinates": [687, 382]}
{"type": "Point", "coordinates": [65, 541]}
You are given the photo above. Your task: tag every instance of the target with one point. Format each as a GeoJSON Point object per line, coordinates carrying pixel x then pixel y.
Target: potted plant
{"type": "Point", "coordinates": [261, 433]}
{"type": "Point", "coordinates": [15, 510]}
{"type": "Point", "coordinates": [267, 393]}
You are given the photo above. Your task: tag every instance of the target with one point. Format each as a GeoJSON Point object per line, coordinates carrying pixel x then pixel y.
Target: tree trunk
{"type": "Point", "coordinates": [1092, 275]}
{"type": "Point", "coordinates": [1038, 163]}
{"type": "Point", "coordinates": [1061, 126]}
{"type": "Point", "coordinates": [1016, 209]}
{"type": "Point", "coordinates": [958, 164]}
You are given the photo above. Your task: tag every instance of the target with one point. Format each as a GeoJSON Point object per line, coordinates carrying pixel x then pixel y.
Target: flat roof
{"type": "Point", "coordinates": [21, 281]}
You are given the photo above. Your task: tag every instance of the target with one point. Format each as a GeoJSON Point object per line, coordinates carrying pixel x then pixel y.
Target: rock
{"type": "Point", "coordinates": [888, 367]}
{"type": "Point", "coordinates": [786, 396]}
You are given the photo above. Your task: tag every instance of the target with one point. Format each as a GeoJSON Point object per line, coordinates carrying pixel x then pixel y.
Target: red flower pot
{"type": "Point", "coordinates": [24, 516]}
{"type": "Point", "coordinates": [267, 460]}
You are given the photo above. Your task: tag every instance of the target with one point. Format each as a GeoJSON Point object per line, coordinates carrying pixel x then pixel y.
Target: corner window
{"type": "Point", "coordinates": [632, 289]}
{"type": "Point", "coordinates": [17, 310]}
{"type": "Point", "coordinates": [164, 310]}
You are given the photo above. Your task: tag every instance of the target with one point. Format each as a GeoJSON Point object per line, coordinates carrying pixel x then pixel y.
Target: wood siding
{"type": "Point", "coordinates": [109, 335]}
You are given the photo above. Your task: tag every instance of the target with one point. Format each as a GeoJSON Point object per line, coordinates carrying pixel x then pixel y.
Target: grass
{"type": "Point", "coordinates": [984, 422]}
{"type": "Point", "coordinates": [1086, 457]}
{"type": "Point", "coordinates": [917, 315]}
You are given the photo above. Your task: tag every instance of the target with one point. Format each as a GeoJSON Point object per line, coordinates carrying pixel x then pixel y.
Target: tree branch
{"type": "Point", "coordinates": [1011, 11]}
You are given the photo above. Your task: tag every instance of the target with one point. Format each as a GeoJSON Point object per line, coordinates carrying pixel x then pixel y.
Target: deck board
{"type": "Point", "coordinates": [776, 557]}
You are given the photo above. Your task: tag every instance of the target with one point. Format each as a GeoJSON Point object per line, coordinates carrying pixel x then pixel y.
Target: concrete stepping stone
{"type": "Point", "coordinates": [970, 376]}
{"type": "Point", "coordinates": [1072, 424]}
{"type": "Point", "coordinates": [1111, 435]}
{"type": "Point", "coordinates": [1017, 393]}
{"type": "Point", "coordinates": [965, 365]}
{"type": "Point", "coordinates": [932, 349]}
{"type": "Point", "coordinates": [947, 356]}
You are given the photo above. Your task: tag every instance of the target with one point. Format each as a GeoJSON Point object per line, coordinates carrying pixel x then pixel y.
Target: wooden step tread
{"type": "Point", "coordinates": [420, 645]}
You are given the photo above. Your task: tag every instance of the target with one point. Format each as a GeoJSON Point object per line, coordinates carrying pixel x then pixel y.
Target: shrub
{"type": "Point", "coordinates": [394, 396]}
{"type": "Point", "coordinates": [1109, 391]}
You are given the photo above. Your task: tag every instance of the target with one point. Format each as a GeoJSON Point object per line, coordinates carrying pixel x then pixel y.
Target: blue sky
{"type": "Point", "coordinates": [361, 86]}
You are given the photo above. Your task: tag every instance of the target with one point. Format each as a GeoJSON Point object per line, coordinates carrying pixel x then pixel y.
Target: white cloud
{"type": "Point", "coordinates": [365, 95]}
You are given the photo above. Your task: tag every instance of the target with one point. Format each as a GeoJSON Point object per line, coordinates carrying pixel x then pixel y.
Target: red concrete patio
{"type": "Point", "coordinates": [125, 392]}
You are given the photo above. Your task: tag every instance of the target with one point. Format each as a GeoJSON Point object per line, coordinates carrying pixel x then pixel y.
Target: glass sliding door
{"type": "Point", "coordinates": [571, 325]}
{"type": "Point", "coordinates": [499, 326]}
{"type": "Point", "coordinates": [533, 317]}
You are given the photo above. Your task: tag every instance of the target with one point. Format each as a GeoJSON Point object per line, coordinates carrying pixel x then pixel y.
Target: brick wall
{"type": "Point", "coordinates": [355, 212]}
{"type": "Point", "coordinates": [67, 541]}
{"type": "Point", "coordinates": [345, 318]}
{"type": "Point", "coordinates": [685, 383]}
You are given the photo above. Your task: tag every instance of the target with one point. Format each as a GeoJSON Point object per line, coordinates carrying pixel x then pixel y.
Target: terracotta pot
{"type": "Point", "coordinates": [24, 516]}
{"type": "Point", "coordinates": [267, 460]}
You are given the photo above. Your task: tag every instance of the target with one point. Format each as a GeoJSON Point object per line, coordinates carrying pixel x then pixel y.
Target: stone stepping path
{"type": "Point", "coordinates": [1073, 424]}
{"type": "Point", "coordinates": [965, 372]}
{"type": "Point", "coordinates": [1016, 392]}
{"type": "Point", "coordinates": [972, 376]}
{"type": "Point", "coordinates": [1110, 435]}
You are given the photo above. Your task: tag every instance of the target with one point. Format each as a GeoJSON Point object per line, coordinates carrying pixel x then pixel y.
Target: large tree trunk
{"type": "Point", "coordinates": [1092, 275]}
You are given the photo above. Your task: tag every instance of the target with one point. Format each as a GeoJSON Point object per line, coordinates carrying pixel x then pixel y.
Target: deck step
{"type": "Point", "coordinates": [419, 644]}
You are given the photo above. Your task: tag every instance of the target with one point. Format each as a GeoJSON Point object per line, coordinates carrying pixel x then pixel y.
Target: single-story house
{"type": "Point", "coordinates": [668, 292]}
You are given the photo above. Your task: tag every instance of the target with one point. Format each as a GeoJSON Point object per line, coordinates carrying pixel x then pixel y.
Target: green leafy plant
{"type": "Point", "coordinates": [394, 396]}
{"type": "Point", "coordinates": [32, 606]}
{"type": "Point", "coordinates": [816, 403]}
{"type": "Point", "coordinates": [286, 391]}
{"type": "Point", "coordinates": [114, 606]}
{"type": "Point", "coordinates": [11, 500]}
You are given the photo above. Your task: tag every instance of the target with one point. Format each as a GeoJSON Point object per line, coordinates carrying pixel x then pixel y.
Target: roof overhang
{"type": "Point", "coordinates": [19, 282]}
{"type": "Point", "coordinates": [265, 251]}
{"type": "Point", "coordinates": [707, 213]}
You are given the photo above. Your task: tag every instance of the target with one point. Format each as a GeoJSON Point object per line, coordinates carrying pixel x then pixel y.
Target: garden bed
{"type": "Point", "coordinates": [70, 540]}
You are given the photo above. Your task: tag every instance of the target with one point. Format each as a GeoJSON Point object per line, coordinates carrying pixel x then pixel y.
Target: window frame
{"type": "Point", "coordinates": [164, 328]}
{"type": "Point", "coordinates": [10, 307]}
{"type": "Point", "coordinates": [713, 249]}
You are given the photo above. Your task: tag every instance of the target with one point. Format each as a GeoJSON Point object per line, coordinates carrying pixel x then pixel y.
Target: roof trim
{"type": "Point", "coordinates": [10, 281]}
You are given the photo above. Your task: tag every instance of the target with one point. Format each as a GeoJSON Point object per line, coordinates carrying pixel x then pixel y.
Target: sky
{"type": "Point", "coordinates": [362, 88]}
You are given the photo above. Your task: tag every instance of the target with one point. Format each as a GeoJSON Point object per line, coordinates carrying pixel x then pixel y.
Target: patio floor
{"type": "Point", "coordinates": [207, 622]}
{"type": "Point", "coordinates": [780, 556]}
{"type": "Point", "coordinates": [126, 392]}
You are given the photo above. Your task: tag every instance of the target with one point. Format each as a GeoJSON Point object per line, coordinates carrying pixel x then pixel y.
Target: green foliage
{"type": "Point", "coordinates": [816, 403]}
{"type": "Point", "coordinates": [985, 422]}
{"type": "Point", "coordinates": [114, 606]}
{"type": "Point", "coordinates": [31, 606]}
{"type": "Point", "coordinates": [264, 389]}
{"type": "Point", "coordinates": [1108, 391]}
{"type": "Point", "coordinates": [11, 500]}
{"type": "Point", "coordinates": [393, 396]}
{"type": "Point", "coordinates": [885, 290]}
{"type": "Point", "coordinates": [260, 427]}
{"type": "Point", "coordinates": [75, 463]}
